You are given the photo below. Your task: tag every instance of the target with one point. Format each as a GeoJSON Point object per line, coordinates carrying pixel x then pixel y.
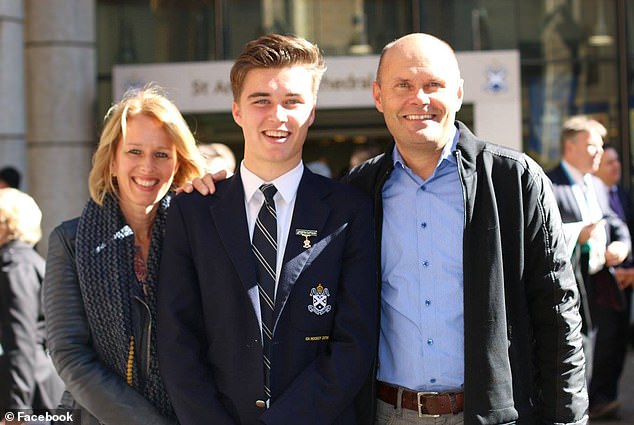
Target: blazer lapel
{"type": "Point", "coordinates": [310, 213]}
{"type": "Point", "coordinates": [231, 223]}
{"type": "Point", "coordinates": [569, 209]}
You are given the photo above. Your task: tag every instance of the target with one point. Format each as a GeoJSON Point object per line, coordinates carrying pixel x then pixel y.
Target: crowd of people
{"type": "Point", "coordinates": [447, 280]}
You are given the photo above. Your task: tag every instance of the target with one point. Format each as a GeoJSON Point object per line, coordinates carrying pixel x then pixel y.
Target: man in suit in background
{"type": "Point", "coordinates": [611, 311]}
{"type": "Point", "coordinates": [268, 290]}
{"type": "Point", "coordinates": [597, 239]}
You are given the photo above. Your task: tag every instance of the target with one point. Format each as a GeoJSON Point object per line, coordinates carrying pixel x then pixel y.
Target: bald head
{"type": "Point", "coordinates": [420, 47]}
{"type": "Point", "coordinates": [419, 90]}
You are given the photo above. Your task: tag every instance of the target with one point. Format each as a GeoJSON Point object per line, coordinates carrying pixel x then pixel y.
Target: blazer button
{"type": "Point", "coordinates": [260, 403]}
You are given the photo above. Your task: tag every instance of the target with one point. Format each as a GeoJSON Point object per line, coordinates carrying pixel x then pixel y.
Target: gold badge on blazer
{"type": "Point", "coordinates": [320, 296]}
{"type": "Point", "coordinates": [306, 233]}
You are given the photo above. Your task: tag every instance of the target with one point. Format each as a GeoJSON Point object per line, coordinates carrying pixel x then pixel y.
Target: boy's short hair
{"type": "Point", "coordinates": [277, 51]}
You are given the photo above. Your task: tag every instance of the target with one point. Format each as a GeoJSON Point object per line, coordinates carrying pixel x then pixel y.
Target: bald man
{"type": "Point", "coordinates": [479, 312]}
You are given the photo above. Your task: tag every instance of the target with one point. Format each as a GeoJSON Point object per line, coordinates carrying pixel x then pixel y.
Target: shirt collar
{"type": "Point", "coordinates": [573, 173]}
{"type": "Point", "coordinates": [286, 184]}
{"type": "Point", "coordinates": [447, 151]}
{"type": "Point", "coordinates": [604, 186]}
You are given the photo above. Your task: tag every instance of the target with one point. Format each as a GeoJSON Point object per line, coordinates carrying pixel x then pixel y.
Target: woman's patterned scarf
{"type": "Point", "coordinates": [105, 256]}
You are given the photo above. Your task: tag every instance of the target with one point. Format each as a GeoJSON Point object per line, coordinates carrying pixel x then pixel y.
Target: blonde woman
{"type": "Point", "coordinates": [27, 377]}
{"type": "Point", "coordinates": [102, 268]}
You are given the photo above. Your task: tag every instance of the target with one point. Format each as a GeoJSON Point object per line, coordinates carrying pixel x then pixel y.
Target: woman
{"type": "Point", "coordinates": [27, 377]}
{"type": "Point", "coordinates": [101, 283]}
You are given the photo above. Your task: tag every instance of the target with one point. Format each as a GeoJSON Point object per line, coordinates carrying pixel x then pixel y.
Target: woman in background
{"type": "Point", "coordinates": [27, 377]}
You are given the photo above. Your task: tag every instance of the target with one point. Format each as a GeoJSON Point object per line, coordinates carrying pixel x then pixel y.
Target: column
{"type": "Point", "coordinates": [12, 113]}
{"type": "Point", "coordinates": [61, 97]}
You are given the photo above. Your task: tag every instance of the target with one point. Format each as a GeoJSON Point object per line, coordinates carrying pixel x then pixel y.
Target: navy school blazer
{"type": "Point", "coordinates": [209, 339]}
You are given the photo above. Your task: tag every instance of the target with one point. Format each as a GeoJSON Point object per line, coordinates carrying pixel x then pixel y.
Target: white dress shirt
{"type": "Point", "coordinates": [586, 194]}
{"type": "Point", "coordinates": [286, 186]}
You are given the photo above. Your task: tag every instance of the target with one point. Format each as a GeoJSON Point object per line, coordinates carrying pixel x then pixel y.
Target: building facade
{"type": "Point", "coordinates": [57, 79]}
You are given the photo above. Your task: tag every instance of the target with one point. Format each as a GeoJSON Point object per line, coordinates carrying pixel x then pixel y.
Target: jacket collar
{"type": "Point", "coordinates": [469, 147]}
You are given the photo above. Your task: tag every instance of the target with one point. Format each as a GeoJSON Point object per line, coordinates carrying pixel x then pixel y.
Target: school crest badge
{"type": "Point", "coordinates": [320, 300]}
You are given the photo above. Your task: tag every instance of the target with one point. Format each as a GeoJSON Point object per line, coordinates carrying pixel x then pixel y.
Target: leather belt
{"type": "Point", "coordinates": [424, 402]}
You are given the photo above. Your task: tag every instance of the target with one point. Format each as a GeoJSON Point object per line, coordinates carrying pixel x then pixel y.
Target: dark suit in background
{"type": "Point", "coordinates": [628, 206]}
{"type": "Point", "coordinates": [616, 230]}
{"type": "Point", "coordinates": [611, 316]}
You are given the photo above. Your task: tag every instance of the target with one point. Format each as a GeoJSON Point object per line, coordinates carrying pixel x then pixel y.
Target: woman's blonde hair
{"type": "Point", "coordinates": [151, 101]}
{"type": "Point", "coordinates": [21, 215]}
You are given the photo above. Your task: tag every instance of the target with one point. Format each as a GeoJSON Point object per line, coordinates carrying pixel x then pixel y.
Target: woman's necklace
{"type": "Point", "coordinates": [140, 269]}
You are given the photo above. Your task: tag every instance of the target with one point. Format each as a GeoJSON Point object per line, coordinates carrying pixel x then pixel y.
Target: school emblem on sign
{"type": "Point", "coordinates": [496, 79]}
{"type": "Point", "coordinates": [320, 300]}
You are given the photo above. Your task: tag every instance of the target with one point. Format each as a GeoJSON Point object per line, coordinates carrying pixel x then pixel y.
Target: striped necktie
{"type": "Point", "coordinates": [264, 245]}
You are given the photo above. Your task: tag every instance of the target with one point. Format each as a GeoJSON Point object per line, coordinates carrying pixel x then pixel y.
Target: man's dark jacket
{"type": "Point", "coordinates": [523, 355]}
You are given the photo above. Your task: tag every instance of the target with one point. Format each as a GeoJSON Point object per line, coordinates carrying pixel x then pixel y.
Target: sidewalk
{"type": "Point", "coordinates": [626, 396]}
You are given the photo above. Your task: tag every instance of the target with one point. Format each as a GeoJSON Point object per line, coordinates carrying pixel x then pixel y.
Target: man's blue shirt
{"type": "Point", "coordinates": [421, 344]}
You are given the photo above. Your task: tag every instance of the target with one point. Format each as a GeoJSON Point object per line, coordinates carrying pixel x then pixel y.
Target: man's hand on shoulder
{"type": "Point", "coordinates": [206, 184]}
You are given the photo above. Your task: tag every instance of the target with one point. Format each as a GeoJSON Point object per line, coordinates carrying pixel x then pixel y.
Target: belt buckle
{"type": "Point", "coordinates": [419, 399]}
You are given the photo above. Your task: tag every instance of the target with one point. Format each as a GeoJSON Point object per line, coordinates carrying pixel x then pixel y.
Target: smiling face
{"type": "Point", "coordinates": [419, 91]}
{"type": "Point", "coordinates": [275, 110]}
{"type": "Point", "coordinates": [145, 163]}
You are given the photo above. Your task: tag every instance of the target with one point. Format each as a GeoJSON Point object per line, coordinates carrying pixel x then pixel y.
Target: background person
{"type": "Point", "coordinates": [218, 157]}
{"type": "Point", "coordinates": [320, 166]}
{"type": "Point", "coordinates": [102, 268]}
{"type": "Point", "coordinates": [28, 379]}
{"type": "Point", "coordinates": [611, 312]}
{"type": "Point", "coordinates": [597, 239]}
{"type": "Point", "coordinates": [360, 154]}
{"type": "Point", "coordinates": [10, 177]}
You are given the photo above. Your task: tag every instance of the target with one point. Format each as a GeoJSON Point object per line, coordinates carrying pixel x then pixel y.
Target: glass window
{"type": "Point", "coordinates": [571, 69]}
{"type": "Point", "coordinates": [568, 49]}
{"type": "Point", "coordinates": [156, 31]}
